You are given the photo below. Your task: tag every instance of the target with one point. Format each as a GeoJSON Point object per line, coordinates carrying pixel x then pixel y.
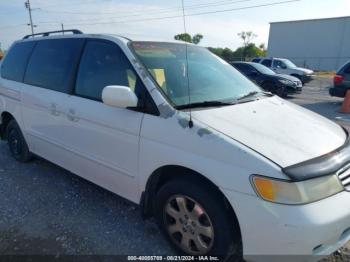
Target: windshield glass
{"type": "Point", "coordinates": [209, 77]}
{"type": "Point", "coordinates": [288, 63]}
{"type": "Point", "coordinates": [263, 69]}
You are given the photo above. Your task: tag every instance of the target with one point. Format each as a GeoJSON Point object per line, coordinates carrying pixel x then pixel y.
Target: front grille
{"type": "Point", "coordinates": [344, 176]}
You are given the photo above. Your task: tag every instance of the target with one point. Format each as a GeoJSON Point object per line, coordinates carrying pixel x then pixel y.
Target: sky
{"type": "Point", "coordinates": [218, 21]}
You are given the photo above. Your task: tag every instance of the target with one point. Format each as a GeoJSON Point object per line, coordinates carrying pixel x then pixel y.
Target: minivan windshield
{"type": "Point", "coordinates": [211, 80]}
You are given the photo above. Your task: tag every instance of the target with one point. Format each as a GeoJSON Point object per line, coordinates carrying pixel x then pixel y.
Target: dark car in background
{"type": "Point", "coordinates": [279, 84]}
{"type": "Point", "coordinates": [341, 81]}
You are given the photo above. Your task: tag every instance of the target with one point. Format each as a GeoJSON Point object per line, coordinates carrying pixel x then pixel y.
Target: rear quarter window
{"type": "Point", "coordinates": [256, 60]}
{"type": "Point", "coordinates": [53, 64]}
{"type": "Point", "coordinates": [14, 65]}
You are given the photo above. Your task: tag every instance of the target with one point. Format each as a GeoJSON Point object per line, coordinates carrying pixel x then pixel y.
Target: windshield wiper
{"type": "Point", "coordinates": [250, 94]}
{"type": "Point", "coordinates": [204, 104]}
{"type": "Point", "coordinates": [254, 93]}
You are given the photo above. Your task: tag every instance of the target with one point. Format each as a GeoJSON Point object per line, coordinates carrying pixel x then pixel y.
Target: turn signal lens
{"type": "Point", "coordinates": [265, 188]}
{"type": "Point", "coordinates": [296, 193]}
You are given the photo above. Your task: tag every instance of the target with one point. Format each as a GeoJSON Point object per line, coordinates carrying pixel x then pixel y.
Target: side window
{"type": "Point", "coordinates": [53, 63]}
{"type": "Point", "coordinates": [249, 70]}
{"type": "Point", "coordinates": [15, 63]}
{"type": "Point", "coordinates": [279, 64]}
{"type": "Point", "coordinates": [103, 64]}
{"type": "Point", "coordinates": [267, 62]}
{"type": "Point", "coordinates": [256, 60]}
{"type": "Point", "coordinates": [242, 68]}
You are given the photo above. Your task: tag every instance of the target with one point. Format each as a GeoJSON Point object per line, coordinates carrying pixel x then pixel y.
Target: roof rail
{"type": "Point", "coordinates": [74, 31]}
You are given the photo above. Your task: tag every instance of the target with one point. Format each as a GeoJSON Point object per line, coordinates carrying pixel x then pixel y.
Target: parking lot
{"type": "Point", "coordinates": [48, 211]}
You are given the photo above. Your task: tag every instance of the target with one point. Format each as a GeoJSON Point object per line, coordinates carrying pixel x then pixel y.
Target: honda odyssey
{"type": "Point", "coordinates": [225, 168]}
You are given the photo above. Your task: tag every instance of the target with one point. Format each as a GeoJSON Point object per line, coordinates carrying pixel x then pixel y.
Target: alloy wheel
{"type": "Point", "coordinates": [188, 225]}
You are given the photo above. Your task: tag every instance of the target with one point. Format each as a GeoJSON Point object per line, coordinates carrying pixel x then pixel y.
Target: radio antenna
{"type": "Point", "coordinates": [190, 123]}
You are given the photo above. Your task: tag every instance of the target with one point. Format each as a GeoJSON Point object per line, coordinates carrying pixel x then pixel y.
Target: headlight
{"type": "Point", "coordinates": [286, 82]}
{"type": "Point", "coordinates": [296, 193]}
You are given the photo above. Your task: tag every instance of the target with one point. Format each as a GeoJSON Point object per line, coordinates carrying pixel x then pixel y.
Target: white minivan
{"type": "Point", "coordinates": [225, 168]}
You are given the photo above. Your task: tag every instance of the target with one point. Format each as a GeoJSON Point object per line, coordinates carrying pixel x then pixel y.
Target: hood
{"type": "Point", "coordinates": [288, 77]}
{"type": "Point", "coordinates": [304, 70]}
{"type": "Point", "coordinates": [283, 132]}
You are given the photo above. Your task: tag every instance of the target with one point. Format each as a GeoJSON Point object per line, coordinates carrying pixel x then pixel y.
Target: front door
{"type": "Point", "coordinates": [105, 139]}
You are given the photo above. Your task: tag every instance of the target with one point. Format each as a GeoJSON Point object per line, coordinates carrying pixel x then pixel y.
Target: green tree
{"type": "Point", "coordinates": [249, 49]}
{"type": "Point", "coordinates": [216, 50]}
{"type": "Point", "coordinates": [197, 38]}
{"type": "Point", "coordinates": [188, 38]}
{"type": "Point", "coordinates": [241, 53]}
{"type": "Point", "coordinates": [247, 37]}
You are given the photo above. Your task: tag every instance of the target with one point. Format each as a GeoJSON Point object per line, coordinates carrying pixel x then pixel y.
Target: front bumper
{"type": "Point", "coordinates": [307, 78]}
{"type": "Point", "coordinates": [271, 232]}
{"type": "Point", "coordinates": [293, 89]}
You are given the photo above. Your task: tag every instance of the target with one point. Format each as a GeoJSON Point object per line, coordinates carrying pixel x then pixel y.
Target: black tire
{"type": "Point", "coordinates": [271, 87]}
{"type": "Point", "coordinates": [226, 241]}
{"type": "Point", "coordinates": [16, 142]}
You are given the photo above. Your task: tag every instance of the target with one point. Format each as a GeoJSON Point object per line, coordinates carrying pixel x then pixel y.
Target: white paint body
{"type": "Point", "coordinates": [119, 149]}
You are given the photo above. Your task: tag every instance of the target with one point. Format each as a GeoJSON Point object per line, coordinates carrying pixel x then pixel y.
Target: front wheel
{"type": "Point", "coordinates": [196, 221]}
{"type": "Point", "coordinates": [271, 87]}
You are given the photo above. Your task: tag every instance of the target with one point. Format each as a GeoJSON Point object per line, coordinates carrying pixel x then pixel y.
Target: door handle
{"type": "Point", "coordinates": [72, 116]}
{"type": "Point", "coordinates": [53, 110]}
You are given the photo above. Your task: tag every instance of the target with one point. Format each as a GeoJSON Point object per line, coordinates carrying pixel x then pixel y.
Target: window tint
{"type": "Point", "coordinates": [103, 64]}
{"type": "Point", "coordinates": [347, 69]}
{"type": "Point", "coordinates": [256, 60]}
{"type": "Point", "coordinates": [15, 63]}
{"type": "Point", "coordinates": [267, 62]}
{"type": "Point", "coordinates": [52, 64]}
{"type": "Point", "coordinates": [246, 69]}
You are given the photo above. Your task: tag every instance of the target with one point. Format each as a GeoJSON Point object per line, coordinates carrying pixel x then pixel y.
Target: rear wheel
{"type": "Point", "coordinates": [17, 144]}
{"type": "Point", "coordinates": [196, 221]}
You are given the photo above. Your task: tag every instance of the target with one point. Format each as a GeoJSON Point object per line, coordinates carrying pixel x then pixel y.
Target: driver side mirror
{"type": "Point", "coordinates": [119, 96]}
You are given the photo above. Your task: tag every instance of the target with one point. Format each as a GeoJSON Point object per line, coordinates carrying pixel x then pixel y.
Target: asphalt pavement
{"type": "Point", "coordinates": [45, 210]}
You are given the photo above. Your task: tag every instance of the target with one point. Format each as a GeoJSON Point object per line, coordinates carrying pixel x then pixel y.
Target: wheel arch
{"type": "Point", "coordinates": [167, 173]}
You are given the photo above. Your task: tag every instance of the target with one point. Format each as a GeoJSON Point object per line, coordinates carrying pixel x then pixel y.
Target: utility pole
{"type": "Point", "coordinates": [62, 27]}
{"type": "Point", "coordinates": [27, 5]}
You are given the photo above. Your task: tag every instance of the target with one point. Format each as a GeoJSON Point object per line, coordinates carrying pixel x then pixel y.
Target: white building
{"type": "Point", "coordinates": [320, 44]}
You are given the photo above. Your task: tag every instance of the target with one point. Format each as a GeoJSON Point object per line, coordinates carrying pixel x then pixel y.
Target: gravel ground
{"type": "Point", "coordinates": [45, 210]}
